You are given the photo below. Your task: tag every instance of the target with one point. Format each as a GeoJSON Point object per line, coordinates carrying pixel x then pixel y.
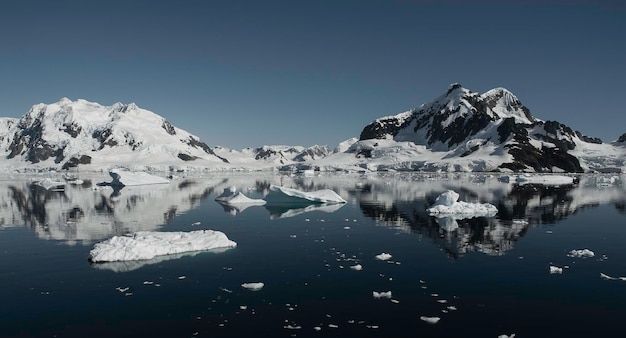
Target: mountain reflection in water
{"type": "Point", "coordinates": [82, 214]}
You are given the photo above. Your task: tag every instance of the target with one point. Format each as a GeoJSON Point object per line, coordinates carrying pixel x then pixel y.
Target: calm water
{"type": "Point", "coordinates": [482, 277]}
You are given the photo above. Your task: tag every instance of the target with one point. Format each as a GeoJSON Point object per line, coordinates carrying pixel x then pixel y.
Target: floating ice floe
{"type": "Point", "coordinates": [383, 256]}
{"type": "Point", "coordinates": [507, 336]}
{"type": "Point", "coordinates": [382, 294]}
{"type": "Point", "coordinates": [555, 270]}
{"type": "Point", "coordinates": [253, 286]}
{"type": "Point", "coordinates": [544, 179]}
{"type": "Point", "coordinates": [282, 195]}
{"type": "Point", "coordinates": [232, 196]}
{"type": "Point", "coordinates": [447, 204]}
{"type": "Point", "coordinates": [122, 178]}
{"type": "Point", "coordinates": [149, 244]}
{"type": "Point", "coordinates": [605, 276]}
{"type": "Point", "coordinates": [430, 320]}
{"type": "Point", "coordinates": [50, 184]}
{"type": "Point", "coordinates": [584, 253]}
{"type": "Point", "coordinates": [357, 267]}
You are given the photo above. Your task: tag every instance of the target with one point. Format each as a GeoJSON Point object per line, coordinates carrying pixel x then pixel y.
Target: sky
{"type": "Point", "coordinates": [251, 73]}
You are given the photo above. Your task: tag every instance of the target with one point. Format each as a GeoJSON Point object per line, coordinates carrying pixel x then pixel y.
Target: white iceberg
{"type": "Point", "coordinates": [253, 286]}
{"type": "Point", "coordinates": [122, 178]}
{"type": "Point", "coordinates": [149, 244]}
{"type": "Point", "coordinates": [382, 294]}
{"type": "Point", "coordinates": [50, 184]}
{"type": "Point", "coordinates": [448, 204]}
{"type": "Point", "coordinates": [282, 195]}
{"type": "Point", "coordinates": [383, 256]}
{"type": "Point", "coordinates": [555, 270]}
{"type": "Point", "coordinates": [430, 320]}
{"type": "Point", "coordinates": [232, 196]}
{"type": "Point", "coordinates": [584, 253]}
{"type": "Point", "coordinates": [554, 180]}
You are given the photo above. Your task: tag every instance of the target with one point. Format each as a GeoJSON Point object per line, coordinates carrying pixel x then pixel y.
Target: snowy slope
{"type": "Point", "coordinates": [466, 131]}
{"type": "Point", "coordinates": [69, 133]}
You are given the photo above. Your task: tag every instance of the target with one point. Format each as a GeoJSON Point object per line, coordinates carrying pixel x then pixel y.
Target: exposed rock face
{"type": "Point", "coordinates": [622, 138]}
{"type": "Point", "coordinates": [313, 153]}
{"type": "Point", "coordinates": [461, 122]}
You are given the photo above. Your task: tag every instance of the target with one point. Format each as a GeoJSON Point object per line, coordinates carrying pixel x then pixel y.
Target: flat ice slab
{"type": "Point", "coordinates": [122, 178]}
{"type": "Point", "coordinates": [149, 244]}
{"type": "Point", "coordinates": [282, 195]}
{"type": "Point", "coordinates": [50, 184]}
{"type": "Point", "coordinates": [448, 204]}
{"type": "Point", "coordinates": [232, 196]}
{"type": "Point", "coordinates": [544, 179]}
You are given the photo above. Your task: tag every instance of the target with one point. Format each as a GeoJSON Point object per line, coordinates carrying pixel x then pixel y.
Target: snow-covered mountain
{"type": "Point", "coordinates": [69, 133]}
{"type": "Point", "coordinates": [273, 156]}
{"type": "Point", "coordinates": [467, 131]}
{"type": "Point", "coordinates": [459, 131]}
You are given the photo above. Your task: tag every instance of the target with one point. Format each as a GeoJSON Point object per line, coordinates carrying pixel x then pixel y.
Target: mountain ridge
{"type": "Point", "coordinates": [460, 130]}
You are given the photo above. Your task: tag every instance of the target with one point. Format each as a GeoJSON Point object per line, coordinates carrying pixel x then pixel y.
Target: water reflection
{"type": "Point", "coordinates": [87, 213]}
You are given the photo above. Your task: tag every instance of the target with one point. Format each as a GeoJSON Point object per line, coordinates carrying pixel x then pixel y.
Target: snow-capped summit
{"type": "Point", "coordinates": [465, 130]}
{"type": "Point", "coordinates": [70, 133]}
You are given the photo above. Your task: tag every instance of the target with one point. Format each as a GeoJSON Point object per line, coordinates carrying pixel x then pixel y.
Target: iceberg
{"type": "Point", "coordinates": [544, 179]}
{"type": "Point", "coordinates": [383, 256]}
{"type": "Point", "coordinates": [584, 253]}
{"type": "Point", "coordinates": [555, 270]}
{"type": "Point", "coordinates": [232, 196]}
{"type": "Point", "coordinates": [382, 294]}
{"type": "Point", "coordinates": [149, 244]}
{"type": "Point", "coordinates": [430, 320]}
{"type": "Point", "coordinates": [282, 195]}
{"type": "Point", "coordinates": [448, 204]}
{"type": "Point", "coordinates": [50, 184]}
{"type": "Point", "coordinates": [122, 178]}
{"type": "Point", "coordinates": [253, 286]}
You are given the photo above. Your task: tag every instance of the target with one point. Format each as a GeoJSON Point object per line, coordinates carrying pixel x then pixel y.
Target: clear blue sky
{"type": "Point", "coordinates": [248, 73]}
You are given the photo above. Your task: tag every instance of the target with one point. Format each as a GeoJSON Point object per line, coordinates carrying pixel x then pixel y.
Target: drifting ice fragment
{"type": "Point", "coordinates": [555, 270]}
{"type": "Point", "coordinates": [123, 178]}
{"type": "Point", "coordinates": [584, 253]}
{"type": "Point", "coordinates": [255, 286]}
{"type": "Point", "coordinates": [447, 203]}
{"type": "Point", "coordinates": [149, 244]}
{"type": "Point", "coordinates": [381, 294]}
{"type": "Point", "coordinates": [281, 195]}
{"type": "Point", "coordinates": [232, 196]}
{"type": "Point", "coordinates": [357, 267]}
{"type": "Point", "coordinates": [430, 320]}
{"type": "Point", "coordinates": [383, 256]}
{"type": "Point", "coordinates": [50, 184]}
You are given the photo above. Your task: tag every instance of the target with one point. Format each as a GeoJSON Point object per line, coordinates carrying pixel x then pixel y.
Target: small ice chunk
{"type": "Point", "coordinates": [430, 320]}
{"type": "Point", "coordinates": [605, 276]}
{"type": "Point", "coordinates": [382, 294]}
{"type": "Point", "coordinates": [507, 336]}
{"type": "Point", "coordinates": [357, 267]}
{"type": "Point", "coordinates": [383, 256]}
{"type": "Point", "coordinates": [555, 270]}
{"type": "Point", "coordinates": [253, 286]}
{"type": "Point", "coordinates": [584, 253]}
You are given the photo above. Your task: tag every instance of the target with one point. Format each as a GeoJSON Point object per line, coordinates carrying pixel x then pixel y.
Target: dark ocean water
{"type": "Point", "coordinates": [483, 277]}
